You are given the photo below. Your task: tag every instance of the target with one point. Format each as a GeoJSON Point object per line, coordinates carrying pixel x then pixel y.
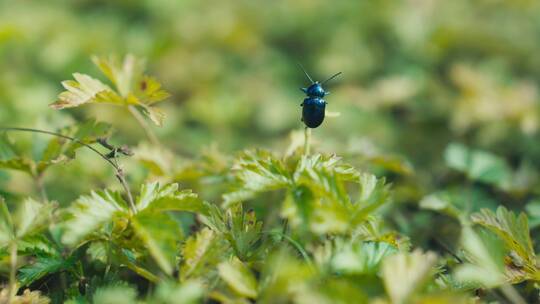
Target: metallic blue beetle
{"type": "Point", "coordinates": [314, 105]}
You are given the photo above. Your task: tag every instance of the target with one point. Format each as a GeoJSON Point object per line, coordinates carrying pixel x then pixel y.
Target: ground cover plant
{"type": "Point", "coordinates": [183, 174]}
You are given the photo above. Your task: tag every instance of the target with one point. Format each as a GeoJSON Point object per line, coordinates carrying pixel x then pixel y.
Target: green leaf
{"type": "Point", "coordinates": [485, 260]}
{"type": "Point", "coordinates": [243, 232]}
{"type": "Point", "coordinates": [83, 90]}
{"type": "Point", "coordinates": [115, 294]}
{"type": "Point", "coordinates": [168, 198]}
{"type": "Point", "coordinates": [90, 213]}
{"type": "Point", "coordinates": [131, 87]}
{"type": "Point", "coordinates": [514, 232]}
{"type": "Point", "coordinates": [372, 195]}
{"type": "Point", "coordinates": [160, 234]}
{"type": "Point", "coordinates": [478, 165]}
{"type": "Point", "coordinates": [512, 229]}
{"type": "Point", "coordinates": [40, 268]}
{"type": "Point", "coordinates": [406, 273]}
{"type": "Point", "coordinates": [201, 254]}
{"type": "Point", "coordinates": [190, 292]}
{"type": "Point", "coordinates": [60, 150]}
{"type": "Point", "coordinates": [361, 257]}
{"type": "Point", "coordinates": [7, 233]}
{"type": "Point", "coordinates": [9, 159]}
{"type": "Point", "coordinates": [257, 171]}
{"type": "Point", "coordinates": [325, 176]}
{"type": "Point", "coordinates": [239, 278]}
{"type": "Point", "coordinates": [31, 216]}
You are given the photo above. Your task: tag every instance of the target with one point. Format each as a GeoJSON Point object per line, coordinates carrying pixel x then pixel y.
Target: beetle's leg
{"type": "Point", "coordinates": [303, 90]}
{"type": "Point", "coordinates": [326, 93]}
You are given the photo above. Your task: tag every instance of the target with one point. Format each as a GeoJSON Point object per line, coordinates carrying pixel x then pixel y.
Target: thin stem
{"type": "Point", "coordinates": [143, 272]}
{"type": "Point", "coordinates": [307, 140]}
{"type": "Point", "coordinates": [140, 119]}
{"type": "Point", "coordinates": [119, 171]}
{"type": "Point", "coordinates": [41, 188]}
{"type": "Point", "coordinates": [295, 244]}
{"type": "Point", "coordinates": [512, 294]}
{"type": "Point", "coordinates": [13, 271]}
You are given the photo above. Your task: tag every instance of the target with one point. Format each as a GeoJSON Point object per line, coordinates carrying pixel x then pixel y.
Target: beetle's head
{"type": "Point", "coordinates": [315, 90]}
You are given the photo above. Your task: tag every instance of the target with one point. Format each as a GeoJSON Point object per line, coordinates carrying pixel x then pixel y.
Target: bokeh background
{"type": "Point", "coordinates": [417, 76]}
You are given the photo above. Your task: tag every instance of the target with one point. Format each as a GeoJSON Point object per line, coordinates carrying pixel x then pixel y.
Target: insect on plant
{"type": "Point", "coordinates": [313, 107]}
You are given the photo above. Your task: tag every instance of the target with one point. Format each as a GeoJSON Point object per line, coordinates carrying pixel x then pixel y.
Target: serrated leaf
{"type": "Point", "coordinates": [372, 195]}
{"type": "Point", "coordinates": [153, 191]}
{"type": "Point", "coordinates": [514, 232]}
{"type": "Point", "coordinates": [361, 257]}
{"type": "Point", "coordinates": [239, 278]}
{"type": "Point", "coordinates": [325, 176]}
{"type": "Point", "coordinates": [7, 233]}
{"type": "Point", "coordinates": [168, 198]}
{"type": "Point", "coordinates": [201, 253]}
{"type": "Point", "coordinates": [244, 232]}
{"type": "Point", "coordinates": [406, 273]}
{"type": "Point", "coordinates": [485, 260]}
{"type": "Point", "coordinates": [160, 235]}
{"type": "Point", "coordinates": [512, 229]}
{"type": "Point", "coordinates": [131, 88]}
{"type": "Point", "coordinates": [40, 268]}
{"type": "Point", "coordinates": [85, 89]}
{"type": "Point", "coordinates": [257, 171]}
{"type": "Point", "coordinates": [31, 216]}
{"type": "Point", "coordinates": [90, 213]}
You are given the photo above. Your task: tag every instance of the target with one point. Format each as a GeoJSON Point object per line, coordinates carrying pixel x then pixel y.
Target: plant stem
{"type": "Point", "coordinates": [13, 271]}
{"type": "Point", "coordinates": [307, 141]}
{"type": "Point", "coordinates": [143, 272]}
{"type": "Point", "coordinates": [41, 188]}
{"type": "Point", "coordinates": [512, 294]}
{"type": "Point", "coordinates": [144, 125]}
{"type": "Point", "coordinates": [117, 168]}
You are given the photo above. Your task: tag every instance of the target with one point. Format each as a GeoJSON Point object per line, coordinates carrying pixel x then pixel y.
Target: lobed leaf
{"type": "Point", "coordinates": [90, 213]}
{"type": "Point", "coordinates": [406, 273]}
{"type": "Point", "coordinates": [238, 277]}
{"type": "Point", "coordinates": [160, 234]}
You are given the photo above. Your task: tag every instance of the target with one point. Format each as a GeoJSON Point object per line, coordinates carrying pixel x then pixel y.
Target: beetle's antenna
{"type": "Point", "coordinates": [302, 67]}
{"type": "Point", "coordinates": [332, 77]}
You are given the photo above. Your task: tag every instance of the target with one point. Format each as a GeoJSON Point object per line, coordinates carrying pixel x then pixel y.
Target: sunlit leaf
{"type": "Point", "coordinates": [239, 277]}
{"type": "Point", "coordinates": [160, 235]}
{"type": "Point", "coordinates": [31, 216]}
{"type": "Point", "coordinates": [115, 294]}
{"type": "Point", "coordinates": [85, 89]}
{"type": "Point", "coordinates": [131, 88]}
{"type": "Point", "coordinates": [514, 232]}
{"type": "Point", "coordinates": [257, 171]}
{"type": "Point", "coordinates": [189, 292]}
{"type": "Point", "coordinates": [406, 273]}
{"type": "Point", "coordinates": [201, 253]}
{"type": "Point", "coordinates": [361, 257]}
{"type": "Point", "coordinates": [89, 213]}
{"type": "Point", "coordinates": [485, 258]}
{"type": "Point", "coordinates": [7, 233]}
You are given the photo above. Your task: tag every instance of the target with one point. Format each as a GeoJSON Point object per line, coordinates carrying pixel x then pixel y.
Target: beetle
{"type": "Point", "coordinates": [313, 107]}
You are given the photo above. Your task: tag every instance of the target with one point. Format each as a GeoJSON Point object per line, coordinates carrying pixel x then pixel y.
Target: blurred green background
{"type": "Point", "coordinates": [417, 75]}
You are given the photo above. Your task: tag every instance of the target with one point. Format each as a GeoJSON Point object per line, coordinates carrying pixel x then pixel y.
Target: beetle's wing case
{"type": "Point", "coordinates": [313, 111]}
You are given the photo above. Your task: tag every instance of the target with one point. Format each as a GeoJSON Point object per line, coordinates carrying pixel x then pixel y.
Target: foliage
{"type": "Point", "coordinates": [423, 190]}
